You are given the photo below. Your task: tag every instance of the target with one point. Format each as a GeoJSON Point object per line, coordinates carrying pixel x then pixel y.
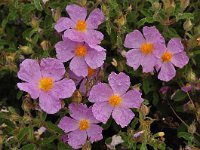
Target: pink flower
{"type": "Point", "coordinates": [83, 56]}
{"type": "Point", "coordinates": [186, 88]}
{"type": "Point", "coordinates": [144, 48]}
{"type": "Point", "coordinates": [44, 80]}
{"type": "Point", "coordinates": [80, 126]}
{"type": "Point", "coordinates": [115, 99]}
{"type": "Point", "coordinates": [173, 55]}
{"type": "Point", "coordinates": [78, 28]}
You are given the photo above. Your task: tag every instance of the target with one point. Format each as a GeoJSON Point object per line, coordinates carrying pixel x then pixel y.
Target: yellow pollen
{"type": "Point", "coordinates": [46, 83]}
{"type": "Point", "coordinates": [115, 100]}
{"type": "Point", "coordinates": [81, 51]}
{"type": "Point", "coordinates": [83, 124]}
{"type": "Point", "coordinates": [146, 48]}
{"type": "Point", "coordinates": [81, 26]}
{"type": "Point", "coordinates": [90, 72]}
{"type": "Point", "coordinates": [167, 56]}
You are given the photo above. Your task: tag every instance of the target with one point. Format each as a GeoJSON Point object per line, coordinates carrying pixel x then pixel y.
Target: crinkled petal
{"type": "Point", "coordinates": [68, 124]}
{"type": "Point", "coordinates": [64, 23]}
{"type": "Point", "coordinates": [29, 71]}
{"type": "Point", "coordinates": [148, 63]}
{"type": "Point", "coordinates": [95, 18]}
{"type": "Point", "coordinates": [51, 67]}
{"type": "Point", "coordinates": [65, 50]}
{"type": "Point", "coordinates": [77, 138]}
{"type": "Point", "coordinates": [74, 35]}
{"type": "Point", "coordinates": [102, 111]}
{"type": "Point", "coordinates": [119, 83]}
{"type": "Point", "coordinates": [49, 103]}
{"type": "Point", "coordinates": [122, 116]}
{"type": "Point", "coordinates": [76, 12]}
{"type": "Point", "coordinates": [90, 116]}
{"type": "Point", "coordinates": [100, 92]}
{"type": "Point", "coordinates": [132, 99]}
{"type": "Point", "coordinates": [180, 59]}
{"type": "Point", "coordinates": [133, 58]}
{"type": "Point", "coordinates": [79, 66]}
{"type": "Point", "coordinates": [93, 37]}
{"type": "Point", "coordinates": [152, 35]}
{"type": "Point", "coordinates": [134, 39]}
{"type": "Point", "coordinates": [97, 48]}
{"type": "Point", "coordinates": [94, 58]}
{"type": "Point", "coordinates": [175, 46]}
{"type": "Point", "coordinates": [64, 88]}
{"type": "Point", "coordinates": [95, 133]}
{"type": "Point", "coordinates": [32, 89]}
{"type": "Point", "coordinates": [167, 72]}
{"type": "Point", "coordinates": [159, 49]}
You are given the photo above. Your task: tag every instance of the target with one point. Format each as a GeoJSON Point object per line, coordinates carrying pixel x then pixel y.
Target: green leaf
{"type": "Point", "coordinates": [155, 99]}
{"type": "Point", "coordinates": [185, 135]}
{"type": "Point", "coordinates": [19, 94]}
{"type": "Point", "coordinates": [22, 133]}
{"type": "Point", "coordinates": [179, 96]}
{"type": "Point", "coordinates": [38, 5]}
{"type": "Point", "coordinates": [63, 146]}
{"type": "Point", "coordinates": [146, 86]}
{"type": "Point", "coordinates": [29, 147]}
{"type": "Point", "coordinates": [46, 141]}
{"type": "Point", "coordinates": [145, 20]}
{"type": "Point", "coordinates": [53, 127]}
{"type": "Point", "coordinates": [143, 146]}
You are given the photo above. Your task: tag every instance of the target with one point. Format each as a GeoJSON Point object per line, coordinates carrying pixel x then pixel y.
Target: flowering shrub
{"type": "Point", "coordinates": [103, 74]}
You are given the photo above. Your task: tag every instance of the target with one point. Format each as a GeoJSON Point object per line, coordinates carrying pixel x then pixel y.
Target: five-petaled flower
{"type": "Point", "coordinates": [78, 28]}
{"type": "Point", "coordinates": [83, 56]}
{"type": "Point", "coordinates": [44, 80]}
{"type": "Point", "coordinates": [144, 48]}
{"type": "Point", "coordinates": [80, 126]}
{"type": "Point", "coordinates": [170, 56]}
{"type": "Point", "coordinates": [115, 99]}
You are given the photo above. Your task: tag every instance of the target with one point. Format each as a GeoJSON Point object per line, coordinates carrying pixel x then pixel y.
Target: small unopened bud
{"type": "Point", "coordinates": [192, 128]}
{"type": "Point", "coordinates": [26, 50]}
{"type": "Point", "coordinates": [35, 22]}
{"type": "Point", "coordinates": [45, 45]}
{"type": "Point", "coordinates": [77, 97]}
{"type": "Point", "coordinates": [114, 62]}
{"type": "Point", "coordinates": [27, 104]}
{"type": "Point", "coordinates": [169, 6]}
{"type": "Point", "coordinates": [198, 41]}
{"type": "Point", "coordinates": [184, 4]}
{"type": "Point", "coordinates": [83, 2]}
{"type": "Point", "coordinates": [56, 13]}
{"type": "Point", "coordinates": [161, 134]}
{"type": "Point", "coordinates": [129, 8]}
{"type": "Point", "coordinates": [10, 58]}
{"type": "Point", "coordinates": [87, 146]}
{"type": "Point", "coordinates": [187, 25]}
{"type": "Point", "coordinates": [123, 53]}
{"type": "Point", "coordinates": [156, 6]}
{"type": "Point", "coordinates": [144, 109]}
{"type": "Point", "coordinates": [191, 76]}
{"type": "Point", "coordinates": [121, 20]}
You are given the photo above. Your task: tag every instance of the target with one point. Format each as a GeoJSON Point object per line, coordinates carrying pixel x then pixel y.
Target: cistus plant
{"type": "Point", "coordinates": [104, 74]}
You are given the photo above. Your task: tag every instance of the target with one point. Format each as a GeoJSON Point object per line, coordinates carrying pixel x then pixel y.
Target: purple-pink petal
{"type": "Point", "coordinates": [119, 83]}
{"type": "Point", "coordinates": [132, 99]}
{"type": "Point", "coordinates": [29, 71]}
{"type": "Point", "coordinates": [64, 88]}
{"type": "Point", "coordinates": [122, 116]}
{"type": "Point", "coordinates": [93, 37]}
{"type": "Point", "coordinates": [148, 62]}
{"type": "Point", "coordinates": [102, 111]}
{"type": "Point", "coordinates": [100, 93]}
{"type": "Point", "coordinates": [94, 133]}
{"type": "Point", "coordinates": [65, 50]}
{"type": "Point", "coordinates": [94, 58]}
{"type": "Point", "coordinates": [49, 103]}
{"type": "Point", "coordinates": [76, 12]}
{"type": "Point", "coordinates": [68, 124]}
{"type": "Point", "coordinates": [134, 39]}
{"type": "Point", "coordinates": [30, 88]}
{"type": "Point", "coordinates": [180, 59]}
{"type": "Point", "coordinates": [167, 72]}
{"type": "Point", "coordinates": [152, 35]}
{"type": "Point", "coordinates": [64, 23]}
{"type": "Point", "coordinates": [74, 35]}
{"type": "Point", "coordinates": [95, 18]}
{"type": "Point", "coordinates": [133, 58]}
{"type": "Point", "coordinates": [51, 67]}
{"type": "Point", "coordinates": [77, 138]}
{"type": "Point", "coordinates": [79, 66]}
{"type": "Point", "coordinates": [175, 46]}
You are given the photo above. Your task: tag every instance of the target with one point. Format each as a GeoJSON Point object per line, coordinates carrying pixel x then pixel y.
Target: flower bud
{"type": "Point", "coordinates": [192, 128]}
{"type": "Point", "coordinates": [26, 50]}
{"type": "Point", "coordinates": [144, 109]}
{"type": "Point", "coordinates": [169, 6]}
{"type": "Point", "coordinates": [56, 13]}
{"type": "Point", "coordinates": [161, 134]}
{"type": "Point", "coordinates": [191, 76]}
{"type": "Point", "coordinates": [187, 25]}
{"type": "Point", "coordinates": [121, 20]}
{"type": "Point", "coordinates": [35, 22]}
{"type": "Point", "coordinates": [198, 41]}
{"type": "Point", "coordinates": [156, 6]}
{"type": "Point", "coordinates": [77, 97]}
{"type": "Point", "coordinates": [184, 4]}
{"type": "Point", "coordinates": [45, 45]}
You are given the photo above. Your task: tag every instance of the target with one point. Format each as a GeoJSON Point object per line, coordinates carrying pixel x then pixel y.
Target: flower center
{"type": "Point", "coordinates": [146, 48]}
{"type": "Point", "coordinates": [46, 83]}
{"type": "Point", "coordinates": [115, 100]}
{"type": "Point", "coordinates": [166, 57]}
{"type": "Point", "coordinates": [83, 124]}
{"type": "Point", "coordinates": [81, 26]}
{"type": "Point", "coordinates": [81, 51]}
{"type": "Point", "coordinates": [90, 72]}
